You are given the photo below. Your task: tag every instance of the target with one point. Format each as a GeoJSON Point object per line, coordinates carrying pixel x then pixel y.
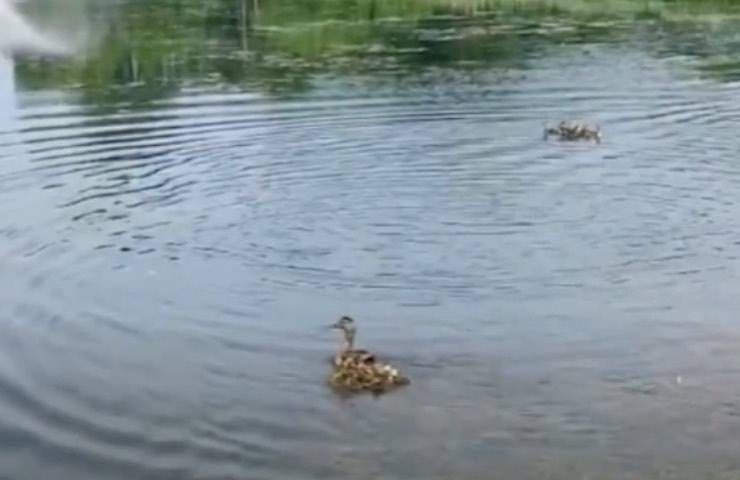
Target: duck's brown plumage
{"type": "Point", "coordinates": [357, 370]}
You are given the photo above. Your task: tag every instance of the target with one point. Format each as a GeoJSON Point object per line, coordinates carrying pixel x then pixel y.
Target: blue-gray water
{"type": "Point", "coordinates": [183, 210]}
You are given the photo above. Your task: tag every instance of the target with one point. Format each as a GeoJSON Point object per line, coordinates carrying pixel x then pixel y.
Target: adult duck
{"type": "Point", "coordinates": [357, 370]}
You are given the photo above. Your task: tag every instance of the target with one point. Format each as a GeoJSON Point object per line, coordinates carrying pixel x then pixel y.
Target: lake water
{"type": "Point", "coordinates": [189, 200]}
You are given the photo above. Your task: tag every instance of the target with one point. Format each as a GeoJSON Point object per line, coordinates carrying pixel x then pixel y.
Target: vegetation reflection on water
{"type": "Point", "coordinates": [155, 48]}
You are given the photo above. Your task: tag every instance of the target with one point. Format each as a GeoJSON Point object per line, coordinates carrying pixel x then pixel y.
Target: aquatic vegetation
{"type": "Point", "coordinates": [153, 49]}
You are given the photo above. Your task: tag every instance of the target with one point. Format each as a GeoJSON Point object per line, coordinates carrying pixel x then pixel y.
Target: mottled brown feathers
{"type": "Point", "coordinates": [356, 370]}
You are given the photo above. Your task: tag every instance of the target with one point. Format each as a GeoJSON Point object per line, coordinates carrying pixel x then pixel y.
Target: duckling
{"type": "Point", "coordinates": [357, 370]}
{"type": "Point", "coordinates": [574, 130]}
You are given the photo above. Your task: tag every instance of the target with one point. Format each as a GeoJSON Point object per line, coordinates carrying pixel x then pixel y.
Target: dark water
{"type": "Point", "coordinates": [186, 203]}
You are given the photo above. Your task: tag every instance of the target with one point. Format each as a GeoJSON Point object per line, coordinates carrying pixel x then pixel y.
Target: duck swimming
{"type": "Point", "coordinates": [357, 370]}
{"type": "Point", "coordinates": [573, 130]}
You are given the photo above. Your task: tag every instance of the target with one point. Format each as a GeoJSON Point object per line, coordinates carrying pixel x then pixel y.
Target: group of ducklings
{"type": "Point", "coordinates": [357, 370]}
{"type": "Point", "coordinates": [574, 130]}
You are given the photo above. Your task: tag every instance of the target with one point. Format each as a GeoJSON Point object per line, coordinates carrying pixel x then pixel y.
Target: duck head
{"type": "Point", "coordinates": [348, 328]}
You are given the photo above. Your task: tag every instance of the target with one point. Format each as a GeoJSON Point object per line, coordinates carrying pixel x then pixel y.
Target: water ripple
{"type": "Point", "coordinates": [165, 266]}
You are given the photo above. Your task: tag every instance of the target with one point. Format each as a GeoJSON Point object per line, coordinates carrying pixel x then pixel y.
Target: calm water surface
{"type": "Point", "coordinates": [190, 199]}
